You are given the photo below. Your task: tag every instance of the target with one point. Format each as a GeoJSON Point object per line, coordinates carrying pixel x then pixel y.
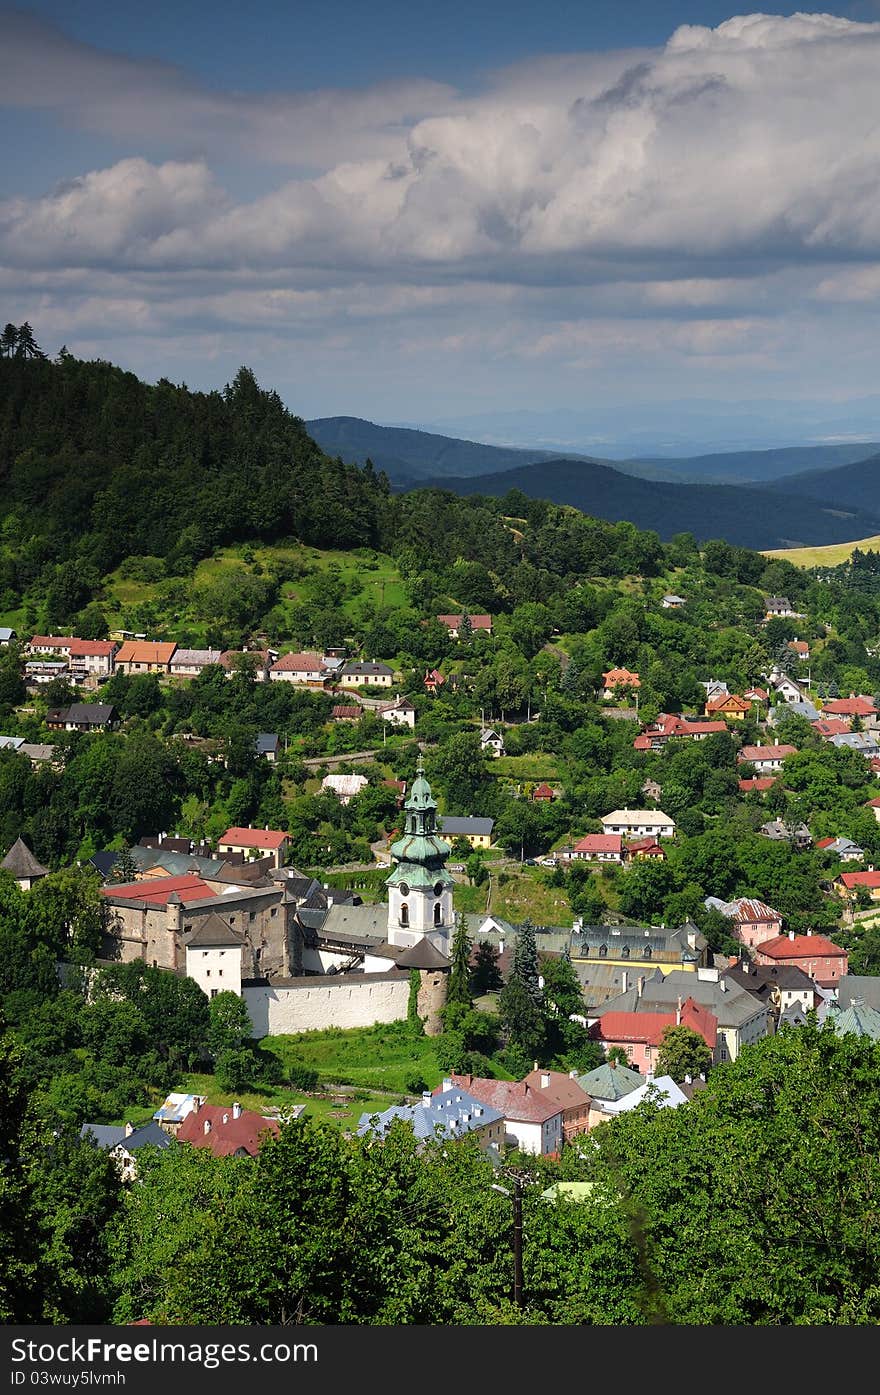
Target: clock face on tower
{"type": "Point", "coordinates": [404, 889]}
{"type": "Point", "coordinates": [438, 888]}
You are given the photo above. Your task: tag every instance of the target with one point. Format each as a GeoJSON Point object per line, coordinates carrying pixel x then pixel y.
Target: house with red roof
{"type": "Point", "coordinates": [481, 624]}
{"type": "Point", "coordinates": [227, 1130]}
{"type": "Point", "coordinates": [640, 1034]}
{"type": "Point", "coordinates": [433, 680]}
{"type": "Point", "coordinates": [564, 1089]}
{"type": "Point", "coordinates": [543, 792]}
{"type": "Point", "coordinates": [532, 1117]}
{"type": "Point", "coordinates": [306, 669]}
{"type": "Point", "coordinates": [617, 679]}
{"type": "Point", "coordinates": [751, 921]}
{"type": "Point", "coordinates": [644, 850]}
{"type": "Point", "coordinates": [757, 784]}
{"type": "Point", "coordinates": [848, 884]}
{"type": "Point", "coordinates": [826, 727]}
{"type": "Point", "coordinates": [820, 958]}
{"type": "Point", "coordinates": [145, 656]}
{"type": "Point", "coordinates": [799, 647]}
{"type": "Point", "coordinates": [669, 725]}
{"type": "Point", "coordinates": [756, 695]}
{"type": "Point", "coordinates": [255, 842]}
{"type": "Point", "coordinates": [766, 759]}
{"type": "Point", "coordinates": [729, 705]}
{"type": "Point", "coordinates": [874, 806]}
{"type": "Point", "coordinates": [599, 847]}
{"type": "Point", "coordinates": [93, 657]}
{"type": "Point", "coordinates": [852, 706]}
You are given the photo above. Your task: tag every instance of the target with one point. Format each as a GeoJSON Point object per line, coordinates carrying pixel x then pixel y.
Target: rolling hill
{"type": "Point", "coordinates": [848, 486]}
{"type": "Point", "coordinates": [745, 515]}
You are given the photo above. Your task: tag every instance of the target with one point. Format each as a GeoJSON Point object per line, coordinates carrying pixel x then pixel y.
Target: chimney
{"type": "Point", "coordinates": [426, 1098]}
{"type": "Point", "coordinates": [809, 932]}
{"type": "Point", "coordinates": [129, 1130]}
{"type": "Point", "coordinates": [572, 1075]}
{"type": "Point", "coordinates": [613, 1064]}
{"type": "Point", "coordinates": [623, 981]}
{"type": "Point", "coordinates": [649, 1075]}
{"type": "Point", "coordinates": [545, 1079]}
{"type": "Point", "coordinates": [535, 1065]}
{"type": "Point", "coordinates": [640, 986]}
{"type": "Point", "coordinates": [236, 1109]}
{"type": "Point", "coordinates": [722, 984]}
{"type": "Point", "coordinates": [197, 1101]}
{"type": "Point", "coordinates": [791, 934]}
{"type": "Point", "coordinates": [207, 1126]}
{"type": "Point", "coordinates": [688, 1079]}
{"type": "Point", "coordinates": [226, 1118]}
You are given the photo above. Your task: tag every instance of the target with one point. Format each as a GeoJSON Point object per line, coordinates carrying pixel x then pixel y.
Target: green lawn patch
{"type": "Point", "coordinates": [384, 1057]}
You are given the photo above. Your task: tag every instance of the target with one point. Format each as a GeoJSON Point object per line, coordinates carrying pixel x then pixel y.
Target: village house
{"type": "Point", "coordinates": [255, 842]}
{"type": "Point", "coordinates": [751, 921]}
{"type": "Point", "coordinates": [670, 725]}
{"type": "Point", "coordinates": [852, 706]}
{"type": "Point", "coordinates": [145, 656]}
{"type": "Point", "coordinates": [450, 1112]}
{"type": "Point", "coordinates": [256, 661]}
{"type": "Point", "coordinates": [365, 673]}
{"type": "Point", "coordinates": [757, 784]}
{"type": "Point", "coordinates": [189, 663]}
{"type": "Point", "coordinates": [433, 680]}
{"type": "Point", "coordinates": [227, 1130]}
{"type": "Point", "coordinates": [616, 680]}
{"type": "Point", "coordinates": [345, 787]}
{"type": "Point", "coordinates": [800, 647]}
{"type": "Point", "coordinates": [796, 834]}
{"type": "Point", "coordinates": [543, 793]}
{"type": "Point", "coordinates": [766, 759]}
{"type": "Point", "coordinates": [491, 742]}
{"type": "Point", "coordinates": [50, 646]}
{"type": "Point", "coordinates": [83, 716]}
{"type": "Point", "coordinates": [640, 1034]}
{"type": "Point", "coordinates": [843, 848]}
{"type": "Point", "coordinates": [123, 1142]}
{"type": "Point", "coordinates": [652, 790]}
{"type": "Point", "coordinates": [728, 705]}
{"type": "Point", "coordinates": [480, 624]}
{"type": "Point", "coordinates": [786, 687]}
{"type": "Point", "coordinates": [92, 658]}
{"type": "Point", "coordinates": [307, 669]}
{"type": "Point", "coordinates": [740, 1018]}
{"type": "Point", "coordinates": [268, 745]}
{"type": "Point", "coordinates": [400, 713]}
{"type": "Point", "coordinates": [780, 608]}
{"type": "Point", "coordinates": [214, 957]}
{"type": "Point", "coordinates": [672, 602]}
{"type": "Point", "coordinates": [568, 1093]}
{"type": "Point", "coordinates": [781, 986]}
{"type": "Point", "coordinates": [644, 850]}
{"type": "Point", "coordinates": [821, 959]}
{"type": "Point", "coordinates": [598, 847]}
{"type": "Point", "coordinates": [848, 884]}
{"type": "Point", "coordinates": [874, 806]}
{"type": "Point", "coordinates": [477, 831]}
{"type": "Point", "coordinates": [639, 823]}
{"type": "Point", "coordinates": [346, 712]}
{"type": "Point", "coordinates": [7, 635]}
{"type": "Point", "coordinates": [756, 695]}
{"type": "Point", "coordinates": [865, 742]}
{"type": "Point", "coordinates": [826, 727]}
{"type": "Point", "coordinates": [532, 1120]}
{"type": "Point", "coordinates": [174, 1109]}
{"type": "Point", "coordinates": [607, 1083]}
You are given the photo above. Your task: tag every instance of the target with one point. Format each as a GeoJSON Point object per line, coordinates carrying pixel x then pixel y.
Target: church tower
{"type": "Point", "coordinates": [419, 887]}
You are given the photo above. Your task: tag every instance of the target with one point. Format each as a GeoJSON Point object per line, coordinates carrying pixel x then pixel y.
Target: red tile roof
{"type": "Point", "coordinates": [834, 726]}
{"type": "Point", "coordinates": [648, 1027]}
{"type": "Point", "coordinates": [226, 1134]}
{"type": "Point", "coordinates": [599, 843]}
{"type": "Point", "coordinates": [850, 707]}
{"type": "Point", "coordinates": [515, 1099]}
{"type": "Point", "coordinates": [145, 651]}
{"type": "Point", "coordinates": [543, 791]}
{"type": "Point", "coordinates": [478, 622]}
{"type": "Point", "coordinates": [621, 676]}
{"type": "Point", "coordinates": [799, 646]}
{"type": "Point", "coordinates": [253, 838]}
{"type": "Point", "coordinates": [728, 702]}
{"type": "Point", "coordinates": [341, 710]}
{"type": "Point", "coordinates": [51, 641]}
{"type": "Point", "coordinates": [800, 946]}
{"type": "Point", "coordinates": [81, 648]}
{"type": "Point", "coordinates": [156, 890]}
{"type": "Point", "coordinates": [644, 845]}
{"type": "Point", "coordinates": [560, 1088]}
{"type": "Point", "coordinates": [756, 694]}
{"type": "Point", "coordinates": [874, 803]}
{"type": "Point", "coordinates": [761, 783]}
{"type": "Point", "coordinates": [298, 663]}
{"type": "Point", "coordinates": [853, 879]}
{"type": "Point", "coordinates": [761, 753]}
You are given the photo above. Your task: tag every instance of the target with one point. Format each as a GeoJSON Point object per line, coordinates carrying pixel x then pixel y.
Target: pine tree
{"type": "Point", "coordinates": [8, 341]}
{"type": "Point", "coordinates": [124, 869]}
{"type": "Point", "coordinates": [458, 987]}
{"type": "Point", "coordinates": [486, 976]}
{"type": "Point", "coordinates": [26, 345]}
{"type": "Point", "coordinates": [465, 628]}
{"type": "Point", "coordinates": [525, 962]}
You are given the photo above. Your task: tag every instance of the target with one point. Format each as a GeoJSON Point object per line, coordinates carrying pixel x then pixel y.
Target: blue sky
{"type": "Point", "coordinates": [424, 212]}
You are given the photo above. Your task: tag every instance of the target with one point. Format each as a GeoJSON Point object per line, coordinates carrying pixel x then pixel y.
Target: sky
{"type": "Point", "coordinates": [462, 213]}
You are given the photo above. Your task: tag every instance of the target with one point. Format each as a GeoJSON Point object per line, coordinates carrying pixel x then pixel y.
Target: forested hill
{"type": "Point", "coordinates": [96, 465]}
{"type": "Point", "coordinates": [744, 515]}
{"type": "Point", "coordinates": [848, 486]}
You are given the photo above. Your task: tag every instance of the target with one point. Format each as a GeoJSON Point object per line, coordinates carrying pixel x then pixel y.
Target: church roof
{"type": "Point", "coordinates": [21, 862]}
{"type": "Point", "coordinates": [423, 955]}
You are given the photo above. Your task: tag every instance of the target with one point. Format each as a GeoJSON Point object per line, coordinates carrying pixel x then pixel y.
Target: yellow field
{"type": "Point", "coordinates": [828, 556]}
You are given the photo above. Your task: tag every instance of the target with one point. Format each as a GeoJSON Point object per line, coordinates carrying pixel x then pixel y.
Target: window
{"type": "Point", "coordinates": [207, 973]}
{"type": "Point", "coordinates": [252, 915]}
{"type": "Point", "coordinates": [404, 913]}
{"type": "Point", "coordinates": [214, 992]}
{"type": "Point", "coordinates": [219, 973]}
{"type": "Point", "coordinates": [603, 951]}
{"type": "Point", "coordinates": [274, 910]}
{"type": "Point", "coordinates": [624, 951]}
{"type": "Point", "coordinates": [437, 913]}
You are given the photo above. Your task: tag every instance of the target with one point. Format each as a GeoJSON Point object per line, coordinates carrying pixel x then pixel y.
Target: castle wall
{"type": "Point", "coordinates": [312, 1003]}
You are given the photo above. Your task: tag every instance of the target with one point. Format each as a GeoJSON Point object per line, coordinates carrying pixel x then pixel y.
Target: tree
{"type": "Point", "coordinates": [458, 985]}
{"type": "Point", "coordinates": [525, 961]}
{"type": "Point", "coordinates": [486, 977]}
{"type": "Point", "coordinates": [520, 1003]}
{"type": "Point", "coordinates": [229, 1025]}
{"type": "Point", "coordinates": [26, 345]}
{"type": "Point", "coordinates": [235, 1070]}
{"type": "Point", "coordinates": [683, 1052]}
{"type": "Point", "coordinates": [8, 341]}
{"type": "Point", "coordinates": [465, 628]}
{"type": "Point", "coordinates": [124, 869]}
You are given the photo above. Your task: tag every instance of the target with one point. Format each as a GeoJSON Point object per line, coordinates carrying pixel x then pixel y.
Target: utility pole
{"type": "Point", "coordinates": [516, 1197]}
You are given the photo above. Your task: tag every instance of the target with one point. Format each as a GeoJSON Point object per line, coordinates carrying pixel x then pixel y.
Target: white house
{"type": "Point", "coordinates": [399, 713]}
{"type": "Point", "coordinates": [94, 657]}
{"type": "Point", "coordinates": [491, 742]}
{"type": "Point", "coordinates": [365, 672]}
{"type": "Point", "coordinates": [533, 1123]}
{"type": "Point", "coordinates": [638, 823]}
{"type": "Point", "coordinates": [298, 668]}
{"type": "Point", "coordinates": [188, 663]}
{"type": "Point", "coordinates": [213, 957]}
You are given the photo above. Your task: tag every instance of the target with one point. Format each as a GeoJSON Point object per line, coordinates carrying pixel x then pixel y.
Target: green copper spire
{"type": "Point", "coordinates": [420, 854]}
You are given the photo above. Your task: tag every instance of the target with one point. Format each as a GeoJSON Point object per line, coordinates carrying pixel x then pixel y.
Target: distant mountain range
{"type": "Point", "coordinates": [766, 501]}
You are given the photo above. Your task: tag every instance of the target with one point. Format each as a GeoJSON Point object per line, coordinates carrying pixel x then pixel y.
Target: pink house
{"type": "Point", "coordinates": [752, 922]}
{"type": "Point", "coordinates": [820, 958]}
{"type": "Point", "coordinates": [640, 1034]}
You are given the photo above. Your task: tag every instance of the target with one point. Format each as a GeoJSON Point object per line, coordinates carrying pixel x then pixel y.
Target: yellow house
{"type": "Point", "coordinates": [730, 706]}
{"type": "Point", "coordinates": [477, 831]}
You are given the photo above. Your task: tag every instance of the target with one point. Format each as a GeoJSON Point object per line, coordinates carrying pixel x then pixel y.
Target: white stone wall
{"type": "Point", "coordinates": [215, 969]}
{"type": "Point", "coordinates": [310, 1005]}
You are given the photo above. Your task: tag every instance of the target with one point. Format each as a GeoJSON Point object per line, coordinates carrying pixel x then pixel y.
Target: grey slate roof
{"type": "Point", "coordinates": [423, 955]}
{"type": "Point", "coordinates": [803, 709]}
{"type": "Point", "coordinates": [367, 922]}
{"type": "Point", "coordinates": [365, 668]}
{"type": "Point", "coordinates": [109, 1135]}
{"type": "Point", "coordinates": [265, 741]}
{"type": "Point", "coordinates": [450, 1114]}
{"type": "Point", "coordinates": [95, 714]}
{"type": "Point", "coordinates": [21, 862]}
{"type": "Point", "coordinates": [863, 987]}
{"type": "Point", "coordinates": [213, 931]}
{"type": "Point", "coordinates": [733, 1005]}
{"type": "Point", "coordinates": [455, 825]}
{"type": "Point", "coordinates": [11, 743]}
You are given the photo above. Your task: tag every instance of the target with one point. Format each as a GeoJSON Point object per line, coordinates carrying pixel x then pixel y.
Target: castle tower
{"type": "Point", "coordinates": [419, 887]}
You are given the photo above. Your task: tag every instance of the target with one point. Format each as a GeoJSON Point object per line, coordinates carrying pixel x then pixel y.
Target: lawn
{"type": "Point", "coordinates": [384, 1057]}
{"type": "Point", "coordinates": [829, 556]}
{"type": "Point", "coordinates": [524, 894]}
{"type": "Point", "coordinates": [343, 1108]}
{"type": "Point", "coordinates": [538, 765]}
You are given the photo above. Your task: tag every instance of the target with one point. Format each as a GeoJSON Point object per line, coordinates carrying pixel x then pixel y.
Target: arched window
{"type": "Point", "coordinates": [438, 912]}
{"type": "Point", "coordinates": [647, 951]}
{"type": "Point", "coordinates": [603, 951]}
{"type": "Point", "coordinates": [404, 913]}
{"type": "Point", "coordinates": [624, 951]}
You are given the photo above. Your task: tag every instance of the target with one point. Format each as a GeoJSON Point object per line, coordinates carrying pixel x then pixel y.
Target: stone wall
{"type": "Point", "coordinates": [312, 1003]}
